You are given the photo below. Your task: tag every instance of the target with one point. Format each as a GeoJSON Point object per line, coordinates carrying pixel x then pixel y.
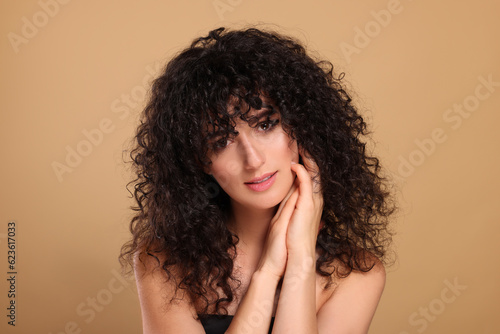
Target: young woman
{"type": "Point", "coordinates": [258, 208]}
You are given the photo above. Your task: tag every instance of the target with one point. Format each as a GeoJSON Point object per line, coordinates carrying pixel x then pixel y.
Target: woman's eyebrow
{"type": "Point", "coordinates": [216, 134]}
{"type": "Point", "coordinates": [221, 132]}
{"type": "Point", "coordinates": [265, 111]}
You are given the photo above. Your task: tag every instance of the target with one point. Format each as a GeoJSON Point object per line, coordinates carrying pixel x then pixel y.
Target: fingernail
{"type": "Point", "coordinates": [294, 163]}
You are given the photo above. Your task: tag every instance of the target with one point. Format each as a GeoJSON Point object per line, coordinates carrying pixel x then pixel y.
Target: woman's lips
{"type": "Point", "coordinates": [263, 182]}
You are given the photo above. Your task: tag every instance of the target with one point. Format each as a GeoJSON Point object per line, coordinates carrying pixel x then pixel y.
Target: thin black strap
{"type": "Point", "coordinates": [218, 324]}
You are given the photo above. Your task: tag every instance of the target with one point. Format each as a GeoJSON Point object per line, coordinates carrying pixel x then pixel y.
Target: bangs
{"type": "Point", "coordinates": [221, 122]}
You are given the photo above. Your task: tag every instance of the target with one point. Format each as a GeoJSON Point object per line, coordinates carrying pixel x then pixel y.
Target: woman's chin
{"type": "Point", "coordinates": [260, 204]}
{"type": "Point", "coordinates": [270, 203]}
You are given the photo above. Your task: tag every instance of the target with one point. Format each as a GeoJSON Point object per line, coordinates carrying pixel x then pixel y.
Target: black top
{"type": "Point", "coordinates": [218, 324]}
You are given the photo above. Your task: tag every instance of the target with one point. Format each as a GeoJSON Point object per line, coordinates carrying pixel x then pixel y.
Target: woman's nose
{"type": "Point", "coordinates": [252, 152]}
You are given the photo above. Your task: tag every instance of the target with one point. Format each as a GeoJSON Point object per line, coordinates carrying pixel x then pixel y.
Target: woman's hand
{"type": "Point", "coordinates": [305, 221]}
{"type": "Point", "coordinates": [296, 310]}
{"type": "Point", "coordinates": [274, 256]}
{"type": "Point", "coordinates": [294, 227]}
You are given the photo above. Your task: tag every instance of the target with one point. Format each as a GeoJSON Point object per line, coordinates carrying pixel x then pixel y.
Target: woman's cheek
{"type": "Point", "coordinates": [225, 167]}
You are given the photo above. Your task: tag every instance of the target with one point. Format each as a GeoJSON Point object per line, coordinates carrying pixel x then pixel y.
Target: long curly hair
{"type": "Point", "coordinates": [181, 212]}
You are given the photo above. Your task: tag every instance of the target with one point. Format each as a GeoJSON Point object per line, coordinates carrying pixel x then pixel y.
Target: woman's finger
{"type": "Point", "coordinates": [308, 188]}
{"type": "Point", "coordinates": [304, 178]}
{"type": "Point", "coordinates": [289, 207]}
{"type": "Point", "coordinates": [312, 168]}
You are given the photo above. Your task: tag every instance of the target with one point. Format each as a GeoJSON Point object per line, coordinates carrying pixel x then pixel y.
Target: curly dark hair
{"type": "Point", "coordinates": [181, 211]}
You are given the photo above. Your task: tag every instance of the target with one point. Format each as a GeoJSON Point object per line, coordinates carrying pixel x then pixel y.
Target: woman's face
{"type": "Point", "coordinates": [253, 168]}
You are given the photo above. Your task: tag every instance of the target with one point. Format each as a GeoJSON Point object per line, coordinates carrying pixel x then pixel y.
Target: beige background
{"type": "Point", "coordinates": [70, 69]}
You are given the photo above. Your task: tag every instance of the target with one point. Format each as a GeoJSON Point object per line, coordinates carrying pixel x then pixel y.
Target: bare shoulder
{"type": "Point", "coordinates": [353, 300]}
{"type": "Point", "coordinates": [165, 309]}
{"type": "Point", "coordinates": [374, 279]}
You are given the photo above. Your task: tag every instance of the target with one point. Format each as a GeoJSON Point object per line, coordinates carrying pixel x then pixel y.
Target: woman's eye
{"type": "Point", "coordinates": [267, 125]}
{"type": "Point", "coordinates": [264, 125]}
{"type": "Point", "coordinates": [221, 143]}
